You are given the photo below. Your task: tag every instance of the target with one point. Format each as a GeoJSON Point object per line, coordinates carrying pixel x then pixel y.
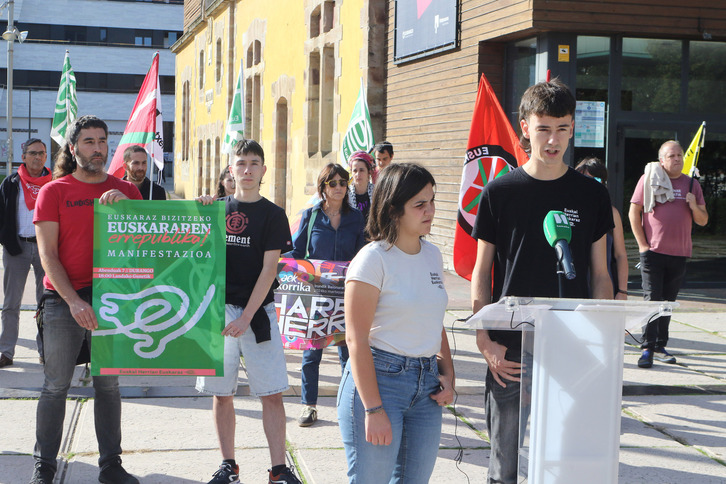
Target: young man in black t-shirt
{"type": "Point", "coordinates": [512, 246]}
{"type": "Point", "coordinates": [257, 232]}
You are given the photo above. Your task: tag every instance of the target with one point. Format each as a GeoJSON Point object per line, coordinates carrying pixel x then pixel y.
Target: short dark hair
{"type": "Point", "coordinates": [551, 98]}
{"type": "Point", "coordinates": [328, 173]}
{"type": "Point", "coordinates": [397, 184]}
{"type": "Point", "coordinates": [65, 164]}
{"type": "Point", "coordinates": [384, 146]}
{"type": "Point", "coordinates": [32, 141]}
{"type": "Point", "coordinates": [246, 146]}
{"type": "Point", "coordinates": [134, 149]}
{"type": "Point", "coordinates": [593, 166]}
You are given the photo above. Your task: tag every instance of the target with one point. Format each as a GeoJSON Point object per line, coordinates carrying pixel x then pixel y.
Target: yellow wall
{"type": "Point", "coordinates": [208, 107]}
{"type": "Point", "coordinates": [283, 30]}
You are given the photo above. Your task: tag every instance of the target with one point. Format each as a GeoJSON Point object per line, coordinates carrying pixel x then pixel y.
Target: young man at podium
{"type": "Point", "coordinates": [514, 257]}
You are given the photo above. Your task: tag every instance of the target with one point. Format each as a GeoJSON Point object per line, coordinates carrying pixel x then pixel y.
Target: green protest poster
{"type": "Point", "coordinates": [158, 288]}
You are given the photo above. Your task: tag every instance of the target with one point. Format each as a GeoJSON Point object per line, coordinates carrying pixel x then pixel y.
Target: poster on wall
{"type": "Point", "coordinates": [158, 288]}
{"type": "Point", "coordinates": [425, 27]}
{"type": "Point", "coordinates": [309, 302]}
{"type": "Point", "coordinates": [590, 124]}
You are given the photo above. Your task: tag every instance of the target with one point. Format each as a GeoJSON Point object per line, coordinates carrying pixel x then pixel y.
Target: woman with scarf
{"type": "Point", "coordinates": [361, 190]}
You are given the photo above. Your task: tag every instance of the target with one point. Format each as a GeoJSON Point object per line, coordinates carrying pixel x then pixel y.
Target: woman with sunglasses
{"type": "Point", "coordinates": [400, 374]}
{"type": "Point", "coordinates": [331, 230]}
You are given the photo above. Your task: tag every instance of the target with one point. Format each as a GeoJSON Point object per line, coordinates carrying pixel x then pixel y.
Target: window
{"type": "Point", "coordinates": [218, 66]}
{"type": "Point", "coordinates": [707, 77]}
{"type": "Point", "coordinates": [200, 166]}
{"type": "Point", "coordinates": [651, 75]}
{"type": "Point", "coordinates": [253, 90]}
{"type": "Point", "coordinates": [321, 82]}
{"type": "Point", "coordinates": [217, 161]}
{"type": "Point", "coordinates": [280, 183]}
{"type": "Point", "coordinates": [186, 99]}
{"type": "Point", "coordinates": [170, 38]}
{"type": "Point", "coordinates": [593, 65]}
{"type": "Point", "coordinates": [208, 169]}
{"type": "Point", "coordinates": [313, 103]}
{"type": "Point", "coordinates": [201, 70]}
{"type": "Point", "coordinates": [521, 68]}
{"type": "Point", "coordinates": [315, 22]}
{"type": "Point", "coordinates": [143, 38]}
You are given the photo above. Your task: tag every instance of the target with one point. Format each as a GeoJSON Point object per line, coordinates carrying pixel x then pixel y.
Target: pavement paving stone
{"type": "Point", "coordinates": [17, 431]}
{"type": "Point", "coordinates": [322, 465]}
{"type": "Point", "coordinates": [172, 467]}
{"type": "Point", "coordinates": [173, 424]}
{"type": "Point", "coordinates": [714, 321]}
{"type": "Point", "coordinates": [15, 468]}
{"type": "Point", "coordinates": [692, 420]}
{"type": "Point", "coordinates": [669, 465]}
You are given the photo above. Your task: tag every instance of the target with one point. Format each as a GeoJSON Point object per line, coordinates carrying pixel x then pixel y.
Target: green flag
{"type": "Point", "coordinates": [236, 120]}
{"type": "Point", "coordinates": [359, 135]}
{"type": "Point", "coordinates": [158, 288]}
{"type": "Point", "coordinates": [66, 104]}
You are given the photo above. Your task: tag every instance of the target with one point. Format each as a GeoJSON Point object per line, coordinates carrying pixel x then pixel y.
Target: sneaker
{"type": "Point", "coordinates": [284, 477]}
{"type": "Point", "coordinates": [42, 474]}
{"type": "Point", "coordinates": [114, 473]}
{"type": "Point", "coordinates": [5, 361]}
{"type": "Point", "coordinates": [308, 416]}
{"type": "Point", "coordinates": [226, 474]}
{"type": "Point", "coordinates": [662, 355]}
{"type": "Point", "coordinates": [646, 359]}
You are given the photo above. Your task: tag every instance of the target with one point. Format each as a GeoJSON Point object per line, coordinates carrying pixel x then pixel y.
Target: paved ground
{"type": "Point", "coordinates": [673, 428]}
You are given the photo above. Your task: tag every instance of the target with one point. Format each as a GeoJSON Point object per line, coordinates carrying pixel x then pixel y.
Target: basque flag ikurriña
{"type": "Point", "coordinates": [492, 151]}
{"type": "Point", "coordinates": [144, 127]}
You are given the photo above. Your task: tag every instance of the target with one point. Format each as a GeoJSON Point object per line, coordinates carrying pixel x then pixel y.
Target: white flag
{"type": "Point", "coordinates": [66, 104]}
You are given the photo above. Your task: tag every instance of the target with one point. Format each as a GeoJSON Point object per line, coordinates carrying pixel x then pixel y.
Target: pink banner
{"type": "Point", "coordinates": [309, 302]}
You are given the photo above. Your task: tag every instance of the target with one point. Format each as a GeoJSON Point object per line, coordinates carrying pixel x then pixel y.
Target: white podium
{"type": "Point", "coordinates": [571, 389]}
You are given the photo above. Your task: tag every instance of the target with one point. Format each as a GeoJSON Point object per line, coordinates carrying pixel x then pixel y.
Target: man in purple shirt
{"type": "Point", "coordinates": [664, 242]}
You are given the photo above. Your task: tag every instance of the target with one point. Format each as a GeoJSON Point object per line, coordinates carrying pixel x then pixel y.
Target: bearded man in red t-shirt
{"type": "Point", "coordinates": [64, 227]}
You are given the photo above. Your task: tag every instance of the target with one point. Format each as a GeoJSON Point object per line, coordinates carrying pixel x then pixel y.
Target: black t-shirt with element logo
{"type": "Point", "coordinates": [252, 229]}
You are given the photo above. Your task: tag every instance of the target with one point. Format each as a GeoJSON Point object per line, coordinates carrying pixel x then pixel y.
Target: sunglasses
{"type": "Point", "coordinates": [335, 183]}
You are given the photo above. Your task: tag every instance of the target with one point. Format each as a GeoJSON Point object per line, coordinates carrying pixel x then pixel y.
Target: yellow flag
{"type": "Point", "coordinates": [690, 158]}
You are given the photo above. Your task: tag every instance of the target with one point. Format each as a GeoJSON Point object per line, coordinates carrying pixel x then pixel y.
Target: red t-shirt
{"type": "Point", "coordinates": [70, 203]}
{"type": "Point", "coordinates": [668, 226]}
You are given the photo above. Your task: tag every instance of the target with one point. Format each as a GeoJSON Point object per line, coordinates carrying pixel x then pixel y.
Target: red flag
{"type": "Point", "coordinates": [143, 128]}
{"type": "Point", "coordinates": [492, 151]}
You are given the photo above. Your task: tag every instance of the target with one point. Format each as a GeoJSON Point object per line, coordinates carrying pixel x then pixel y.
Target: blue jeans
{"type": "Point", "coordinates": [502, 414]}
{"type": "Point", "coordinates": [662, 276]}
{"type": "Point", "coordinates": [311, 372]}
{"type": "Point", "coordinates": [63, 338]}
{"type": "Point", "coordinates": [405, 385]}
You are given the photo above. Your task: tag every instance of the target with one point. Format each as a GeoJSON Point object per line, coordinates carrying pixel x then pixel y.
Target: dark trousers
{"type": "Point", "coordinates": [663, 276]}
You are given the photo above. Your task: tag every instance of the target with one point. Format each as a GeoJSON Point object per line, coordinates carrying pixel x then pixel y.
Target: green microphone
{"type": "Point", "coordinates": [558, 233]}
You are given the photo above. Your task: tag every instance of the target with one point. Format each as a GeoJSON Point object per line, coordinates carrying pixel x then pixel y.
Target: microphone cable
{"type": "Point", "coordinates": [460, 450]}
